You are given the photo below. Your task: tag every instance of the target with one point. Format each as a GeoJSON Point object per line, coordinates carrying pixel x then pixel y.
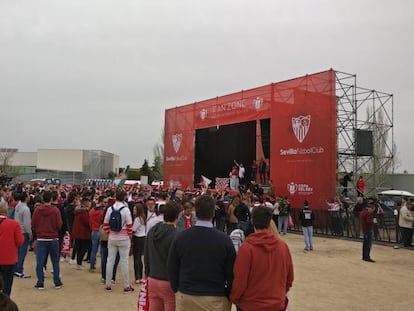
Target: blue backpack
{"type": "Point", "coordinates": [115, 219]}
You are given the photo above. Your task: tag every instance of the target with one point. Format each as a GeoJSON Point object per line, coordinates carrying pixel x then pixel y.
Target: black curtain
{"type": "Point", "coordinates": [217, 147]}
{"type": "Point", "coordinates": [265, 132]}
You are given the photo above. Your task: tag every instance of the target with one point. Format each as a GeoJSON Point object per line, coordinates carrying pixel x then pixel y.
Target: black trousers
{"type": "Point", "coordinates": [138, 251]}
{"type": "Point", "coordinates": [406, 236]}
{"type": "Point", "coordinates": [6, 272]}
{"type": "Point", "coordinates": [83, 246]}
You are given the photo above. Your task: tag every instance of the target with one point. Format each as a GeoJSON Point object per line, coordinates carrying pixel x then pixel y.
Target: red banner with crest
{"type": "Point", "coordinates": [302, 114]}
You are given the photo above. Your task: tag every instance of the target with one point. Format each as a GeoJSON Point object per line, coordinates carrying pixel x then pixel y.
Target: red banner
{"type": "Point", "coordinates": [143, 298]}
{"type": "Point", "coordinates": [302, 116]}
{"type": "Point", "coordinates": [66, 245]}
{"type": "Point", "coordinates": [303, 136]}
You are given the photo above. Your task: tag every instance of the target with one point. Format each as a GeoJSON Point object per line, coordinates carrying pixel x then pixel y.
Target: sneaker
{"type": "Point", "coordinates": [26, 276]}
{"type": "Point", "coordinates": [108, 288]}
{"type": "Point", "coordinates": [113, 282]}
{"type": "Point", "coordinates": [369, 260]}
{"type": "Point", "coordinates": [59, 286]}
{"type": "Point", "coordinates": [80, 267]}
{"type": "Point", "coordinates": [128, 290]}
{"type": "Point", "coordinates": [19, 275]}
{"type": "Point", "coordinates": [72, 262]}
{"type": "Point", "coordinates": [39, 287]}
{"type": "Point", "coordinates": [92, 270]}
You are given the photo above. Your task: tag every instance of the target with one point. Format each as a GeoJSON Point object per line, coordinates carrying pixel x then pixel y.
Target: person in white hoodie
{"type": "Point", "coordinates": [23, 217]}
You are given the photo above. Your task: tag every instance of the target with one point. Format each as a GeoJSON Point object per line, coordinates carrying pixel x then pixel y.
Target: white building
{"type": "Point", "coordinates": [69, 165]}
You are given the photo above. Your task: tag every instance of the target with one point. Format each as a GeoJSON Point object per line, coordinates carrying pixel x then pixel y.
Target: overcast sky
{"type": "Point", "coordinates": [99, 74]}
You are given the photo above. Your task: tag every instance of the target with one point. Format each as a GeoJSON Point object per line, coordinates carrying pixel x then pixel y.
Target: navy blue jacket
{"type": "Point", "coordinates": [201, 262]}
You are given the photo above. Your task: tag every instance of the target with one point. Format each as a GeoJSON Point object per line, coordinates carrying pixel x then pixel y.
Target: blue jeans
{"type": "Point", "coordinates": [6, 272]}
{"type": "Point", "coordinates": [307, 235]}
{"type": "Point", "coordinates": [22, 252]}
{"type": "Point", "coordinates": [94, 249]}
{"type": "Point", "coordinates": [283, 223]}
{"type": "Point", "coordinates": [366, 245]}
{"type": "Point", "coordinates": [43, 249]}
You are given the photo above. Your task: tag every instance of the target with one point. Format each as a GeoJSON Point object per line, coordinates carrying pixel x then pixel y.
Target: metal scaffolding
{"type": "Point", "coordinates": [364, 109]}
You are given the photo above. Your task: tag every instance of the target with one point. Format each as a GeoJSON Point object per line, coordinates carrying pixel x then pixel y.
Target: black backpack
{"type": "Point", "coordinates": [115, 219]}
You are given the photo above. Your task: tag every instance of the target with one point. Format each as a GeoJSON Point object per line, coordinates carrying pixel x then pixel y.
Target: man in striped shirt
{"type": "Point", "coordinates": [119, 241]}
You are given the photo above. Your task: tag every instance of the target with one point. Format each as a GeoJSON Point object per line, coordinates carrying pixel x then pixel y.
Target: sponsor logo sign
{"type": "Point", "coordinates": [299, 188]}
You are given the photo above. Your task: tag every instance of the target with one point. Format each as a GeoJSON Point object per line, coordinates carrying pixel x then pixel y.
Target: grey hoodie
{"type": "Point", "coordinates": [157, 246]}
{"type": "Point", "coordinates": [23, 217]}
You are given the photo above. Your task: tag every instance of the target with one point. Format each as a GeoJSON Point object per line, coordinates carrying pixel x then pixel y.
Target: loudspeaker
{"type": "Point", "coordinates": [364, 143]}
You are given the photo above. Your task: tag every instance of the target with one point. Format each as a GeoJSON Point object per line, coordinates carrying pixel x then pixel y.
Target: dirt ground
{"type": "Point", "coordinates": [332, 277]}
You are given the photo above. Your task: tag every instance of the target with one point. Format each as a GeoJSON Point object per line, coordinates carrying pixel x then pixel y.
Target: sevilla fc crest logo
{"type": "Point", "coordinates": [258, 102]}
{"type": "Point", "coordinates": [203, 114]}
{"type": "Point", "coordinates": [300, 126]}
{"type": "Point", "coordinates": [176, 141]}
{"type": "Point", "coordinates": [292, 187]}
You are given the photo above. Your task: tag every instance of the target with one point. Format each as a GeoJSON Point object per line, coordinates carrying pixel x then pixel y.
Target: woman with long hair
{"type": "Point", "coordinates": [138, 235]}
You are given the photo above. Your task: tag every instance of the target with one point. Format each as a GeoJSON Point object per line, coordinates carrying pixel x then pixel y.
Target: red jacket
{"type": "Point", "coordinates": [361, 185]}
{"type": "Point", "coordinates": [96, 215]}
{"type": "Point", "coordinates": [46, 221]}
{"type": "Point", "coordinates": [81, 229]}
{"type": "Point", "coordinates": [263, 273]}
{"type": "Point", "coordinates": [10, 238]}
{"type": "Point", "coordinates": [366, 220]}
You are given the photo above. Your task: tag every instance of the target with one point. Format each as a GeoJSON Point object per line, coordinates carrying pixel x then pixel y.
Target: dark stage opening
{"type": "Point", "coordinates": [217, 147]}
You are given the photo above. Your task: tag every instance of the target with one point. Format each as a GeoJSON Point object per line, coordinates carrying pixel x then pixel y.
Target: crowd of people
{"type": "Point", "coordinates": [170, 236]}
{"type": "Point", "coordinates": [190, 248]}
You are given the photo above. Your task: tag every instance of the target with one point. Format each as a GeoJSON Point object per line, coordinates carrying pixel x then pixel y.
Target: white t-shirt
{"type": "Point", "coordinates": [276, 208]}
{"type": "Point", "coordinates": [152, 220]}
{"type": "Point", "coordinates": [138, 228]}
{"type": "Point", "coordinates": [241, 171]}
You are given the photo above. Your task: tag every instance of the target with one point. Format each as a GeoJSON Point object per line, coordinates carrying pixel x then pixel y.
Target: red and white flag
{"type": "Point", "coordinates": [222, 183]}
{"type": "Point", "coordinates": [205, 181]}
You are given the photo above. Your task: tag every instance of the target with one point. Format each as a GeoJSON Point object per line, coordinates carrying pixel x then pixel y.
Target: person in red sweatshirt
{"type": "Point", "coordinates": [96, 215]}
{"type": "Point", "coordinates": [11, 237]}
{"type": "Point", "coordinates": [46, 222]}
{"type": "Point", "coordinates": [81, 231]}
{"type": "Point", "coordinates": [367, 223]}
{"type": "Point", "coordinates": [270, 276]}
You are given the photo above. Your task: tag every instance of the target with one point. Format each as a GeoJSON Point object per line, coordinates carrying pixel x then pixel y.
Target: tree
{"type": "Point", "coordinates": [158, 164]}
{"type": "Point", "coordinates": [6, 154]}
{"type": "Point", "coordinates": [133, 174]}
{"type": "Point", "coordinates": [384, 159]}
{"type": "Point", "coordinates": [146, 171]}
{"type": "Point", "coordinates": [157, 168]}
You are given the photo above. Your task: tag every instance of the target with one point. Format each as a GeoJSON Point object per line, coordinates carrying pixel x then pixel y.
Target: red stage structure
{"type": "Point", "coordinates": [302, 143]}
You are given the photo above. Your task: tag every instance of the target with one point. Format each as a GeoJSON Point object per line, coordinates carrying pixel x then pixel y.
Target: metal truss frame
{"type": "Point", "coordinates": [365, 109]}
